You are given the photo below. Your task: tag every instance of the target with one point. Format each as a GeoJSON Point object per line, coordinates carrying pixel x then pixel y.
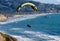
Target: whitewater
{"type": "Point", "coordinates": [16, 18]}
{"type": "Point", "coordinates": [27, 34]}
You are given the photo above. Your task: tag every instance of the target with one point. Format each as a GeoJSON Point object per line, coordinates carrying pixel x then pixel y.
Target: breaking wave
{"type": "Point", "coordinates": [21, 18]}
{"type": "Point", "coordinates": [37, 35]}
{"type": "Point", "coordinates": [25, 34]}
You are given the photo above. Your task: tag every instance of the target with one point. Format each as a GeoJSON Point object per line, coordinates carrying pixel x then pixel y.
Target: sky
{"type": "Point", "coordinates": [49, 1]}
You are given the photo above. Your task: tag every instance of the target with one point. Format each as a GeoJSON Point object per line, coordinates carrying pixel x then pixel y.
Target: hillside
{"type": "Point", "coordinates": [9, 6]}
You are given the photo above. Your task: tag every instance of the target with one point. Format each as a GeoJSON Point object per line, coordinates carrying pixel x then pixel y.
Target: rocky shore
{"type": "Point", "coordinates": [3, 17]}
{"type": "Point", "coordinates": [5, 37]}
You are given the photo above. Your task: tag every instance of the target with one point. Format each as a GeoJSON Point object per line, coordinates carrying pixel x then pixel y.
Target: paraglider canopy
{"type": "Point", "coordinates": [33, 6]}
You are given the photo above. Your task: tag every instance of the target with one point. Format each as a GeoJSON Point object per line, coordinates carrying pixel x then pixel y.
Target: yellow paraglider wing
{"type": "Point", "coordinates": [27, 3]}
{"type": "Point", "coordinates": [18, 8]}
{"type": "Point", "coordinates": [33, 6]}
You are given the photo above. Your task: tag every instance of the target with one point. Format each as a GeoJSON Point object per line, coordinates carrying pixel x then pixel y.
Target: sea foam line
{"type": "Point", "coordinates": [21, 18]}
{"type": "Point", "coordinates": [37, 34]}
{"type": "Point", "coordinates": [44, 36]}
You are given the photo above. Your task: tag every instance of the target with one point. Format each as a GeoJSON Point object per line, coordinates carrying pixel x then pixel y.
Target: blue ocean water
{"type": "Point", "coordinates": [43, 28]}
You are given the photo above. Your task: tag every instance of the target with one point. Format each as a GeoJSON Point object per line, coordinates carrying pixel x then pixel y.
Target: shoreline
{"type": "Point", "coordinates": [11, 14]}
{"type": "Point", "coordinates": [17, 17]}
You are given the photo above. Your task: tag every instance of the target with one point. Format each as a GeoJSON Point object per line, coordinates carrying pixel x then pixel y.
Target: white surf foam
{"type": "Point", "coordinates": [37, 34]}
{"type": "Point", "coordinates": [44, 36]}
{"type": "Point", "coordinates": [21, 17]}
{"type": "Point", "coordinates": [20, 38]}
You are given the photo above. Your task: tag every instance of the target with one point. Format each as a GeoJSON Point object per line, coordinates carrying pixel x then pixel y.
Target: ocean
{"type": "Point", "coordinates": [44, 27]}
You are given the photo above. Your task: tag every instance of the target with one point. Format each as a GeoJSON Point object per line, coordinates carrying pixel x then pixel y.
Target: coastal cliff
{"type": "Point", "coordinates": [5, 37]}
{"type": "Point", "coordinates": [3, 17]}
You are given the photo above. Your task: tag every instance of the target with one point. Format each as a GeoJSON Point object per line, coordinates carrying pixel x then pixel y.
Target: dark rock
{"type": "Point", "coordinates": [28, 25]}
